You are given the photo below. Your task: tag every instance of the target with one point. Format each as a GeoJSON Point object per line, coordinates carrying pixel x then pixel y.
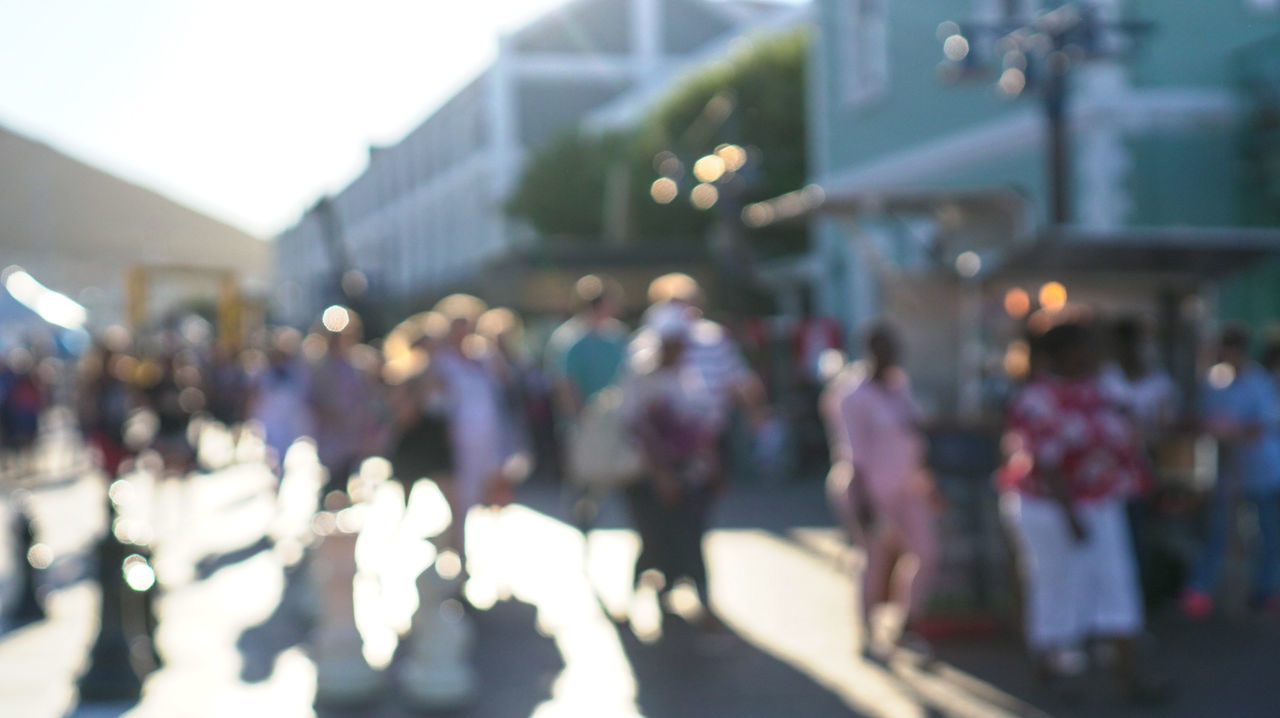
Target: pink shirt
{"type": "Point", "coordinates": [881, 425]}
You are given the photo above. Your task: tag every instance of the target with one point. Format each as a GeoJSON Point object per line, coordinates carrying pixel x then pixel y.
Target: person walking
{"type": "Point", "coordinates": [584, 358]}
{"type": "Point", "coordinates": [585, 352]}
{"type": "Point", "coordinates": [471, 379]}
{"type": "Point", "coordinates": [338, 396]}
{"type": "Point", "coordinates": [279, 397]}
{"type": "Point", "coordinates": [891, 494]}
{"type": "Point", "coordinates": [666, 405]}
{"type": "Point", "coordinates": [1241, 409]}
{"type": "Point", "coordinates": [107, 399]}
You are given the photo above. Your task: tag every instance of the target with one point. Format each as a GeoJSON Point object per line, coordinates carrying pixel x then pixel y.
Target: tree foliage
{"type": "Point", "coordinates": [754, 98]}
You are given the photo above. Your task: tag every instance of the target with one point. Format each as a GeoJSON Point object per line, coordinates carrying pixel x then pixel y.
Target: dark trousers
{"type": "Point", "coordinates": [671, 536]}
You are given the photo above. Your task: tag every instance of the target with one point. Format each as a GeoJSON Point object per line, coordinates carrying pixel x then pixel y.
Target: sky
{"type": "Point", "coordinates": [247, 110]}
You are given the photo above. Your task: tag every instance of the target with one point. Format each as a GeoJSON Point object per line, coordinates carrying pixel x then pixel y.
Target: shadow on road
{"type": "Point", "coordinates": [1214, 668]}
{"type": "Point", "coordinates": [210, 565]}
{"type": "Point", "coordinates": [516, 666]}
{"type": "Point", "coordinates": [688, 675]}
{"type": "Point", "coordinates": [286, 627]}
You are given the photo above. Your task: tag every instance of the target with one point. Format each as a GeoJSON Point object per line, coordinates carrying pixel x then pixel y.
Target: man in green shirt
{"type": "Point", "coordinates": [584, 353]}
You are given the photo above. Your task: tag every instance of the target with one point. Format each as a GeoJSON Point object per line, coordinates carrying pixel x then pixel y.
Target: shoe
{"type": "Point", "coordinates": [1270, 606]}
{"type": "Point", "coordinates": [1148, 692]}
{"type": "Point", "coordinates": [916, 646]}
{"type": "Point", "coordinates": [1196, 604]}
{"type": "Point", "coordinates": [876, 653]}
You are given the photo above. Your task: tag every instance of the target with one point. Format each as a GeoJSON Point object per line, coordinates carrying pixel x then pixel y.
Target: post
{"type": "Point", "coordinates": [1055, 108]}
{"type": "Point", "coordinates": [111, 676]}
{"type": "Point", "coordinates": [29, 608]}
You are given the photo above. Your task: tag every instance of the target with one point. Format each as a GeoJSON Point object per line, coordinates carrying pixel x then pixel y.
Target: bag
{"type": "Point", "coordinates": [601, 452]}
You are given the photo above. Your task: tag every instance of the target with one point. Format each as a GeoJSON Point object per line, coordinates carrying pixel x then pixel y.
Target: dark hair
{"type": "Point", "coordinates": [1235, 336]}
{"type": "Point", "coordinates": [1127, 331]}
{"type": "Point", "coordinates": [1271, 355]}
{"type": "Point", "coordinates": [879, 332]}
{"type": "Point", "coordinates": [1063, 338]}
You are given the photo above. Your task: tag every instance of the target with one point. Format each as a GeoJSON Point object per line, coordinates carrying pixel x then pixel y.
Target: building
{"type": "Point", "coordinates": [933, 201]}
{"type": "Point", "coordinates": [83, 233]}
{"type": "Point", "coordinates": [427, 212]}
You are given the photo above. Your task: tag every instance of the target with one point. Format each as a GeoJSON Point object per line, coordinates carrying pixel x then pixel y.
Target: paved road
{"type": "Point", "coordinates": [550, 639]}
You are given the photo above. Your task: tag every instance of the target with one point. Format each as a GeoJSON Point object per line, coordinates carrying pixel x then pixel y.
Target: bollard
{"type": "Point", "coordinates": [111, 676]}
{"type": "Point", "coordinates": [28, 608]}
{"type": "Point", "coordinates": [343, 676]}
{"type": "Point", "coordinates": [436, 672]}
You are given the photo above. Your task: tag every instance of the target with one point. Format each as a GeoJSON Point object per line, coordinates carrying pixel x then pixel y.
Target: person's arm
{"type": "Point", "coordinates": [1222, 418]}
{"type": "Point", "coordinates": [746, 389]}
{"type": "Point", "coordinates": [1041, 431]}
{"type": "Point", "coordinates": [1060, 492]}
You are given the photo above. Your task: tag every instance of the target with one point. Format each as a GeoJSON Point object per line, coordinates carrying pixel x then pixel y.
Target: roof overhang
{"type": "Point", "coordinates": [814, 201]}
{"type": "Point", "coordinates": [1191, 252]}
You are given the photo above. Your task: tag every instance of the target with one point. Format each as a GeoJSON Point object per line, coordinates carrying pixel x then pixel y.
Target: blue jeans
{"type": "Point", "coordinates": [1209, 568]}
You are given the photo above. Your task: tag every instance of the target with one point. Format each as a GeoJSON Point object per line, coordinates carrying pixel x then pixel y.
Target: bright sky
{"type": "Point", "coordinates": [244, 109]}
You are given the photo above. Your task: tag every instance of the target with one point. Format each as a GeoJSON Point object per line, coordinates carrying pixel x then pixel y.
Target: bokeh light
{"type": "Point", "coordinates": [709, 168]}
{"type": "Point", "coordinates": [1017, 360]}
{"type": "Point", "coordinates": [138, 573]}
{"type": "Point", "coordinates": [704, 196]}
{"type": "Point", "coordinates": [40, 556]}
{"type": "Point", "coordinates": [956, 48]}
{"type": "Point", "coordinates": [734, 157]}
{"type": "Point", "coordinates": [1017, 302]}
{"type": "Point", "coordinates": [1053, 296]}
{"type": "Point", "coordinates": [335, 318]}
{"type": "Point", "coordinates": [1012, 81]}
{"type": "Point", "coordinates": [1221, 375]}
{"type": "Point", "coordinates": [664, 190]}
{"type": "Point", "coordinates": [968, 264]}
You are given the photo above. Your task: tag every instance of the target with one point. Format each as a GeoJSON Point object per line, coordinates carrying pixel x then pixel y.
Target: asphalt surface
{"type": "Point", "coordinates": [557, 631]}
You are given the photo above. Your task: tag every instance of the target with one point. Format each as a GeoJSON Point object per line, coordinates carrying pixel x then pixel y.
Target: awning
{"type": "Point", "coordinates": [1185, 251]}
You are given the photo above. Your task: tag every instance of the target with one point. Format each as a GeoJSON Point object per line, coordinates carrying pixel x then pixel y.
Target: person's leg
{"type": "Point", "coordinates": [917, 522]}
{"type": "Point", "coordinates": [644, 507]}
{"type": "Point", "coordinates": [1117, 615]}
{"type": "Point", "coordinates": [1204, 579]}
{"type": "Point", "coordinates": [1050, 568]}
{"type": "Point", "coordinates": [1265, 582]}
{"type": "Point", "coordinates": [694, 512]}
{"type": "Point", "coordinates": [883, 546]}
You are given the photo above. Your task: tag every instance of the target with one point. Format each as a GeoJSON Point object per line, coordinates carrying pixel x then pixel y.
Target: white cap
{"type": "Point", "coordinates": [669, 321]}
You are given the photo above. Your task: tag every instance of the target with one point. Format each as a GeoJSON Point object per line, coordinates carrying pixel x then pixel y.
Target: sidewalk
{"type": "Point", "coordinates": [549, 642]}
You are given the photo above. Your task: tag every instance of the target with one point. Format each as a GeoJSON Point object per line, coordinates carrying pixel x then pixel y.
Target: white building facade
{"type": "Point", "coordinates": [427, 212]}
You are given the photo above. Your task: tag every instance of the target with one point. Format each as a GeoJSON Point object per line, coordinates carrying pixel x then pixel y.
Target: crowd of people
{"type": "Point", "coordinates": [454, 394]}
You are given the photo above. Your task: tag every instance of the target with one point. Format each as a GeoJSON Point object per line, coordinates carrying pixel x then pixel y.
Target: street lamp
{"type": "Point", "coordinates": [1037, 56]}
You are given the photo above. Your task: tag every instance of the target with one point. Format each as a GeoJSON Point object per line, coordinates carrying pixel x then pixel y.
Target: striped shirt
{"type": "Point", "coordinates": [712, 353]}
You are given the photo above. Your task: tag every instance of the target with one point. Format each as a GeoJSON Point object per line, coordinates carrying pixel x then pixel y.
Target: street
{"type": "Point", "coordinates": [551, 639]}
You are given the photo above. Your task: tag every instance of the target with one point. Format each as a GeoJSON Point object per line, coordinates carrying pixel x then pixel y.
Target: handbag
{"type": "Point", "coordinates": [602, 454]}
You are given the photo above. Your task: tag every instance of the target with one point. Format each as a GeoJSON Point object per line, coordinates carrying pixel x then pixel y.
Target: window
{"type": "Point", "coordinates": [862, 28]}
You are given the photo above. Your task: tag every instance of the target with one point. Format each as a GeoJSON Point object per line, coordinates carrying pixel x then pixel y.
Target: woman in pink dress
{"type": "Point", "coordinates": [891, 487]}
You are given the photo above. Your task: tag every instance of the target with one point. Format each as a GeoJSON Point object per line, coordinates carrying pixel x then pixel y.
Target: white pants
{"type": "Point", "coordinates": [1074, 590]}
